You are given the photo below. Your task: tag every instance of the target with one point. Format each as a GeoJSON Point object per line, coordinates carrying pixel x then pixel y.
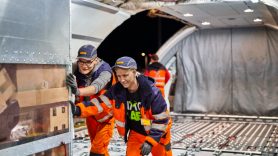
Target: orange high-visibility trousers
{"type": "Point", "coordinates": [135, 141]}
{"type": "Point", "coordinates": [100, 135]}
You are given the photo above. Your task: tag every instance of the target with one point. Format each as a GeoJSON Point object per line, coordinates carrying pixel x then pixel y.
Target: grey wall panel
{"type": "Point", "coordinates": [76, 43]}
{"type": "Point", "coordinates": [92, 23]}
{"type": "Point", "coordinates": [34, 31]}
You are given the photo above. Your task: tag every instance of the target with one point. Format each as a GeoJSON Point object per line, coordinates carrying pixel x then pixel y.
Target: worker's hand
{"type": "Point", "coordinates": [71, 82]}
{"type": "Point", "coordinates": [75, 110]}
{"type": "Point", "coordinates": [146, 148]}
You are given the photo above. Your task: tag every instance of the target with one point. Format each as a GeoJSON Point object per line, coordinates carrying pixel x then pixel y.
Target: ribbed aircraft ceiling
{"type": "Point", "coordinates": [210, 13]}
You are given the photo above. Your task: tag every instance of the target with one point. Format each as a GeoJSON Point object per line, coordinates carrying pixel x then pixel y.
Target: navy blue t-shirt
{"type": "Point", "coordinates": [133, 106]}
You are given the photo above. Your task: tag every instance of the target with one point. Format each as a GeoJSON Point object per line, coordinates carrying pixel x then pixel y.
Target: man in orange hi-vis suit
{"type": "Point", "coordinates": [158, 72]}
{"type": "Point", "coordinates": [139, 109]}
{"type": "Point", "coordinates": [93, 77]}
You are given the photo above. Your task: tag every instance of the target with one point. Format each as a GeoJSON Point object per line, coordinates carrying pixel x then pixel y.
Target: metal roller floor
{"type": "Point", "coordinates": [204, 135]}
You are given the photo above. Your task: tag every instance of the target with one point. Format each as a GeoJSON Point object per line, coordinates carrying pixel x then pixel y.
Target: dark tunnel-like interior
{"type": "Point", "coordinates": [140, 33]}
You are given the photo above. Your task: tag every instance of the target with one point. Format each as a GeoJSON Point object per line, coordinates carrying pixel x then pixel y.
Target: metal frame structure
{"type": "Point", "coordinates": [38, 146]}
{"type": "Point", "coordinates": [219, 134]}
{"type": "Point", "coordinates": [37, 32]}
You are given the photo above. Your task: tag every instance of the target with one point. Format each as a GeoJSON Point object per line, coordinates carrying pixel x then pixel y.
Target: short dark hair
{"type": "Point", "coordinates": [154, 57]}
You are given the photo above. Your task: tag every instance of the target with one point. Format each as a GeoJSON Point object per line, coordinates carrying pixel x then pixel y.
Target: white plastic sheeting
{"type": "Point", "coordinates": [228, 71]}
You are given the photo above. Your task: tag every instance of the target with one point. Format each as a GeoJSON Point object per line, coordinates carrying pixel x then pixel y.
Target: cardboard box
{"type": "Point", "coordinates": [41, 97]}
{"type": "Point", "coordinates": [7, 88]}
{"type": "Point", "coordinates": [36, 77]}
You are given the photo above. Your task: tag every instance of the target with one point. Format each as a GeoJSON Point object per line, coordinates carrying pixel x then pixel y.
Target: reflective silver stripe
{"type": "Point", "coordinates": [159, 78]}
{"type": "Point", "coordinates": [160, 83]}
{"type": "Point", "coordinates": [104, 118]}
{"type": "Point", "coordinates": [162, 115]}
{"type": "Point", "coordinates": [161, 127]}
{"type": "Point", "coordinates": [147, 128]}
{"type": "Point", "coordinates": [119, 123]}
{"type": "Point", "coordinates": [106, 101]}
{"type": "Point", "coordinates": [97, 104]}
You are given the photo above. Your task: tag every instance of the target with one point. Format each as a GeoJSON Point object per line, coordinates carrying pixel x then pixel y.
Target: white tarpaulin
{"type": "Point", "coordinates": [228, 71]}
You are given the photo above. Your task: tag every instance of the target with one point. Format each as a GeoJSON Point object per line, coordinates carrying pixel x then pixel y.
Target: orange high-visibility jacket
{"type": "Point", "coordinates": [84, 81]}
{"type": "Point", "coordinates": [159, 73]}
{"type": "Point", "coordinates": [154, 109]}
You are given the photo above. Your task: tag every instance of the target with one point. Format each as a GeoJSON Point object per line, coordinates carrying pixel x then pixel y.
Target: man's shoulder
{"type": "Point", "coordinates": [147, 83]}
{"type": "Point", "coordinates": [105, 65]}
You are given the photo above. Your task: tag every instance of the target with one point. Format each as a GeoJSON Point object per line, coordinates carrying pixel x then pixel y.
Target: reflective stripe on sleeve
{"type": "Point", "coordinates": [161, 127]}
{"type": "Point", "coordinates": [160, 78]}
{"type": "Point", "coordinates": [106, 101]}
{"type": "Point", "coordinates": [119, 123]}
{"type": "Point", "coordinates": [162, 115]}
{"type": "Point", "coordinates": [147, 128]}
{"type": "Point", "coordinates": [159, 83]}
{"type": "Point", "coordinates": [97, 104]}
{"type": "Point", "coordinates": [104, 118]}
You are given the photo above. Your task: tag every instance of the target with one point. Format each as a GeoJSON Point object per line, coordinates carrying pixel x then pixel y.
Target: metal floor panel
{"type": "Point", "coordinates": [207, 135]}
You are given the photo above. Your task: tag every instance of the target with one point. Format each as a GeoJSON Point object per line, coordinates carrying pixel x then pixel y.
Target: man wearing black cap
{"type": "Point", "coordinates": [139, 109]}
{"type": "Point", "coordinates": [93, 77]}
